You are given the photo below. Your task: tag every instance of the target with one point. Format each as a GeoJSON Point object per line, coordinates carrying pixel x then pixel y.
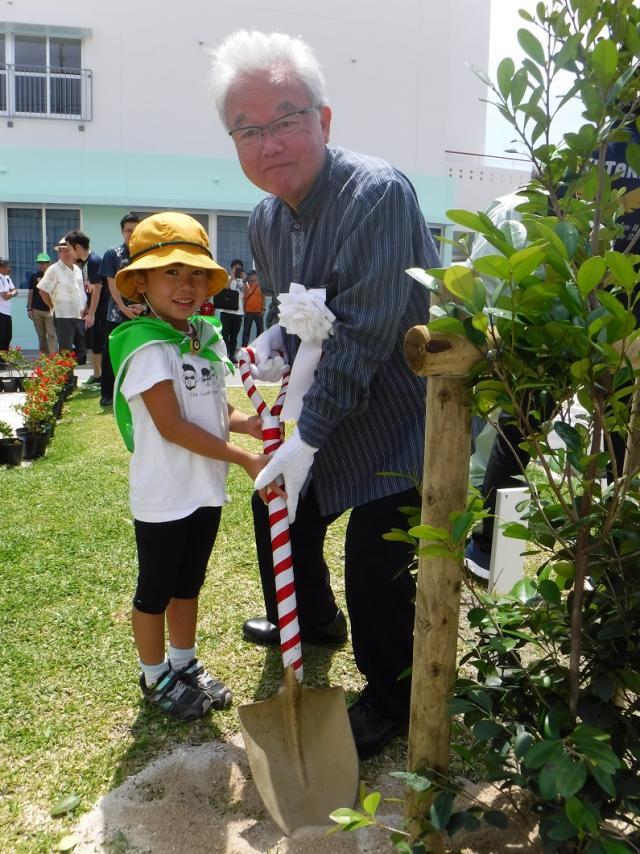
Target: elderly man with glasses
{"type": "Point", "coordinates": [352, 225]}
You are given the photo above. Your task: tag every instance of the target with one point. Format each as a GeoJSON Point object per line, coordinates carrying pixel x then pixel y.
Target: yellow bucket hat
{"type": "Point", "coordinates": [169, 238]}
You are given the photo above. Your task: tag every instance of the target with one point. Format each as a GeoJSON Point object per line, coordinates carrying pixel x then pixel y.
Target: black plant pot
{"type": "Point", "coordinates": [10, 383]}
{"type": "Point", "coordinates": [11, 452]}
{"type": "Point", "coordinates": [35, 443]}
{"type": "Point", "coordinates": [20, 383]}
{"type": "Point", "coordinates": [57, 408]}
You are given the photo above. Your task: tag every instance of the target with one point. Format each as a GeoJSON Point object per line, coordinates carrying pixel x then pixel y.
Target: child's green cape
{"type": "Point", "coordinates": [130, 337]}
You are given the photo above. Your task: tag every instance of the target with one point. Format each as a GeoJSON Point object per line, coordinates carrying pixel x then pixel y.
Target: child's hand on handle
{"type": "Point", "coordinates": [254, 426]}
{"type": "Point", "coordinates": [254, 465]}
{"type": "Point", "coordinates": [292, 460]}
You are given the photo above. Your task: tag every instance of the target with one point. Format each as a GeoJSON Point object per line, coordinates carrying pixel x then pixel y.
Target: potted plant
{"type": "Point", "coordinates": [17, 365]}
{"type": "Point", "coordinates": [11, 448]}
{"type": "Point", "coordinates": [37, 412]}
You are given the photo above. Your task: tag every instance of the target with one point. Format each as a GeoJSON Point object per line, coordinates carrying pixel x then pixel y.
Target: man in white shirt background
{"type": "Point", "coordinates": [62, 289]}
{"type": "Point", "coordinates": [7, 293]}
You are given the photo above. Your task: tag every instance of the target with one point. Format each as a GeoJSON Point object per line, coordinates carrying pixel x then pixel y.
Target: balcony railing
{"type": "Point", "coordinates": [45, 91]}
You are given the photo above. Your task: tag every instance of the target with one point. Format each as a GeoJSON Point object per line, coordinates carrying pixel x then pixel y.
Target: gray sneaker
{"type": "Point", "coordinates": [196, 676]}
{"type": "Point", "coordinates": [176, 697]}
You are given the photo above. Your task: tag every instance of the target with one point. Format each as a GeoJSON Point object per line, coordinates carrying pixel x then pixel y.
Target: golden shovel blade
{"type": "Point", "coordinates": [301, 752]}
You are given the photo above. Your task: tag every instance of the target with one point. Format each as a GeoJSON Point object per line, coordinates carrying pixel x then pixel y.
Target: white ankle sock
{"type": "Point", "coordinates": [180, 658]}
{"type": "Point", "coordinates": [152, 672]}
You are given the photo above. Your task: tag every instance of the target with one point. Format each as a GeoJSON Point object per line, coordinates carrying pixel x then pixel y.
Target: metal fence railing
{"type": "Point", "coordinates": [46, 91]}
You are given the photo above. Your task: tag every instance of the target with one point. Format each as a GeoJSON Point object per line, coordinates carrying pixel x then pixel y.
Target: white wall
{"type": "Point", "coordinates": [395, 72]}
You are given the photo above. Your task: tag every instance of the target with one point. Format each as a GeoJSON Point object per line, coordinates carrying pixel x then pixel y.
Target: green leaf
{"type": "Point", "coordinates": [441, 809]}
{"type": "Point", "coordinates": [519, 86]}
{"type": "Point", "coordinates": [612, 846]}
{"type": "Point", "coordinates": [397, 535]}
{"type": "Point", "coordinates": [569, 436]}
{"type": "Point", "coordinates": [524, 590]}
{"type": "Point", "coordinates": [570, 776]}
{"type": "Point", "coordinates": [504, 76]}
{"type": "Point", "coordinates": [493, 265]}
{"type": "Point", "coordinates": [590, 274]}
{"type": "Point", "coordinates": [516, 531]}
{"type": "Point", "coordinates": [459, 281]}
{"type": "Point", "coordinates": [371, 803]}
{"type": "Point", "coordinates": [515, 233]}
{"type": "Point", "coordinates": [343, 815]}
{"type": "Point", "coordinates": [64, 805]}
{"type": "Point", "coordinates": [531, 46]}
{"type": "Point", "coordinates": [429, 533]}
{"type": "Point", "coordinates": [632, 156]}
{"type": "Point", "coordinates": [576, 812]}
{"type": "Point", "coordinates": [468, 220]}
{"type": "Point", "coordinates": [462, 524]}
{"type": "Point", "coordinates": [446, 326]}
{"type": "Point", "coordinates": [417, 782]}
{"type": "Point", "coordinates": [604, 61]}
{"type": "Point", "coordinates": [541, 753]}
{"type": "Point", "coordinates": [547, 781]}
{"type": "Point", "coordinates": [604, 780]}
{"type": "Point", "coordinates": [522, 743]}
{"type": "Point", "coordinates": [622, 268]}
{"type": "Point", "coordinates": [525, 261]}
{"type": "Point", "coordinates": [68, 843]}
{"type": "Point", "coordinates": [486, 729]}
{"type": "Point", "coordinates": [568, 233]}
{"type": "Point", "coordinates": [550, 592]}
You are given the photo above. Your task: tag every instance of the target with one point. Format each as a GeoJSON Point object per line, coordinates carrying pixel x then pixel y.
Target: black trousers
{"type": "Point", "coordinates": [6, 331]}
{"type": "Point", "coordinates": [231, 324]}
{"type": "Point", "coordinates": [107, 378]}
{"type": "Point", "coordinates": [380, 591]}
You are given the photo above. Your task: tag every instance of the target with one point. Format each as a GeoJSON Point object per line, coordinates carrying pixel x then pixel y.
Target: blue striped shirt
{"type": "Point", "coordinates": [356, 233]}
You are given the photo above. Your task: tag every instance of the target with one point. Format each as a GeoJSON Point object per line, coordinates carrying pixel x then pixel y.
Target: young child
{"type": "Point", "coordinates": [171, 408]}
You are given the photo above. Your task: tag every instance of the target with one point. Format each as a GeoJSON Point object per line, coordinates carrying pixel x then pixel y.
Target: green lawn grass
{"type": "Point", "coordinates": [71, 716]}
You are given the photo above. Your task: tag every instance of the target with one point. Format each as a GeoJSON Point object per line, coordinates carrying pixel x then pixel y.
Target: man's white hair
{"type": "Point", "coordinates": [246, 53]}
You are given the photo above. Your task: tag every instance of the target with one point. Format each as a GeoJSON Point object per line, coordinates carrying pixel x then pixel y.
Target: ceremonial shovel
{"type": "Point", "coordinates": [299, 742]}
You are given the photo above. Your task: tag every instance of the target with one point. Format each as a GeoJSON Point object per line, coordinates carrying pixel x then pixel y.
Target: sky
{"type": "Point", "coordinates": [505, 23]}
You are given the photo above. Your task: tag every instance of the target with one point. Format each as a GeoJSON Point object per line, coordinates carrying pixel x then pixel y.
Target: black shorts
{"type": "Point", "coordinates": [94, 337]}
{"type": "Point", "coordinates": [173, 558]}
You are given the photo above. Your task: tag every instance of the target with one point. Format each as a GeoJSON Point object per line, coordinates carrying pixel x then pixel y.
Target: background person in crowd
{"type": "Point", "coordinates": [253, 304]}
{"type": "Point", "coordinates": [62, 289]}
{"type": "Point", "coordinates": [351, 224]}
{"type": "Point", "coordinates": [38, 310]}
{"type": "Point", "coordinates": [7, 293]}
{"type": "Point", "coordinates": [96, 316]}
{"type": "Point", "coordinates": [119, 309]}
{"type": "Point", "coordinates": [231, 319]}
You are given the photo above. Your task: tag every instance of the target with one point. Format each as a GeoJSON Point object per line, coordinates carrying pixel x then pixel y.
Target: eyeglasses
{"type": "Point", "coordinates": [286, 125]}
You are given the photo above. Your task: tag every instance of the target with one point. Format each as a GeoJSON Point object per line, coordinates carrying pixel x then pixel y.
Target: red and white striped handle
{"type": "Point", "coordinates": [272, 437]}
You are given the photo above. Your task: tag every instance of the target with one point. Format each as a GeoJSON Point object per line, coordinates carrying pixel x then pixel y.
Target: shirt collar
{"type": "Point", "coordinates": [314, 198]}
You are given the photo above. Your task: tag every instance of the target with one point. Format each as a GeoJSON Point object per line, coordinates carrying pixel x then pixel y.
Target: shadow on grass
{"type": "Point", "coordinates": [317, 665]}
{"type": "Point", "coordinates": [154, 733]}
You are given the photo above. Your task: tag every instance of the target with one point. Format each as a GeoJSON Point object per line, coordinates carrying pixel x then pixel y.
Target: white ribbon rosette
{"type": "Point", "coordinates": [304, 313]}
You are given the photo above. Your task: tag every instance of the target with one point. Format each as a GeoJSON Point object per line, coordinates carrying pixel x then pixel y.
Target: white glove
{"type": "Point", "coordinates": [269, 352]}
{"type": "Point", "coordinates": [270, 371]}
{"type": "Point", "coordinates": [293, 461]}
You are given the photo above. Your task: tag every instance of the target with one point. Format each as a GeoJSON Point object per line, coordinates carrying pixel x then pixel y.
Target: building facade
{"type": "Point", "coordinates": [104, 108]}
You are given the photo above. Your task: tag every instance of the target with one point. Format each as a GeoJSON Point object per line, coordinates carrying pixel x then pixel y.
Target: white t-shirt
{"type": "Point", "coordinates": [65, 286]}
{"type": "Point", "coordinates": [6, 285]}
{"type": "Point", "coordinates": [236, 285]}
{"type": "Point", "coordinates": [166, 481]}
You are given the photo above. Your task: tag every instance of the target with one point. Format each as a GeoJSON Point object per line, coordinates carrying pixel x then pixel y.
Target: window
{"type": "Point", "coordinates": [233, 241]}
{"type": "Point", "coordinates": [34, 230]}
{"type": "Point", "coordinates": [41, 75]}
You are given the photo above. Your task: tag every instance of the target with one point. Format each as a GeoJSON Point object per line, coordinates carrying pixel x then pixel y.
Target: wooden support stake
{"type": "Point", "coordinates": [445, 489]}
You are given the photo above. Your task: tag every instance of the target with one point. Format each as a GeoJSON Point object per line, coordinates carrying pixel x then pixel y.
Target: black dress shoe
{"type": "Point", "coordinates": [371, 729]}
{"type": "Point", "coordinates": [261, 631]}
